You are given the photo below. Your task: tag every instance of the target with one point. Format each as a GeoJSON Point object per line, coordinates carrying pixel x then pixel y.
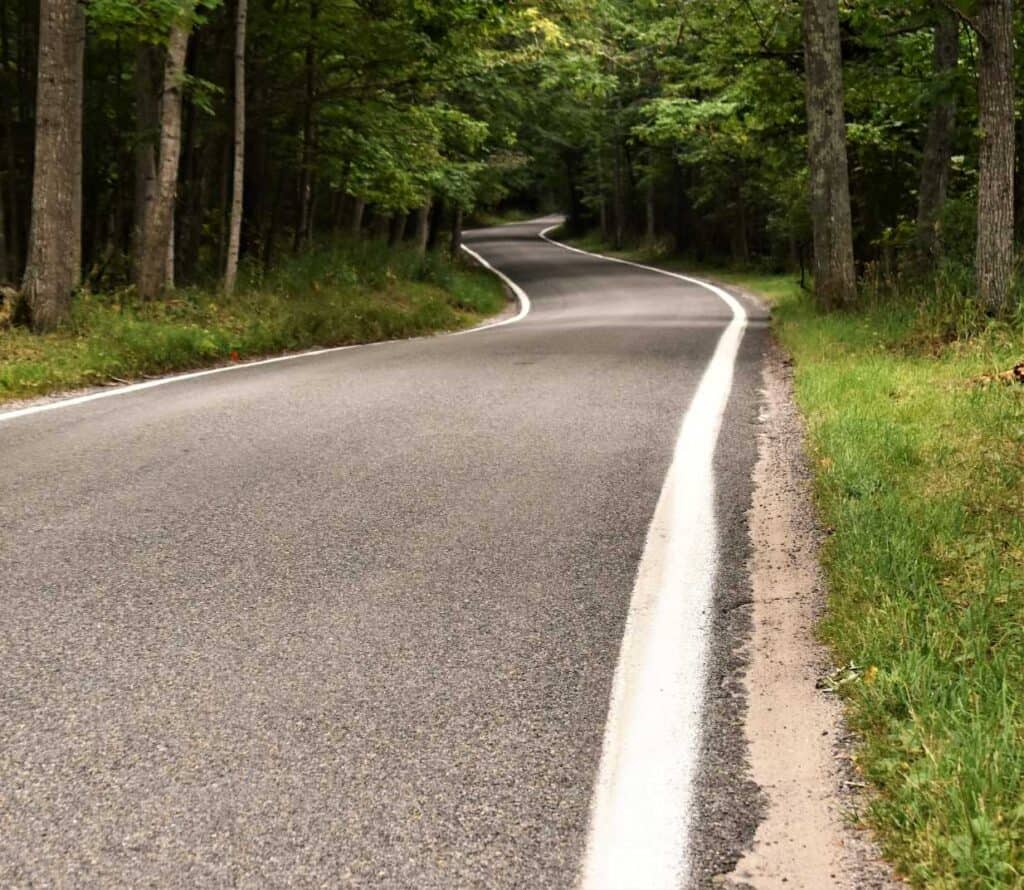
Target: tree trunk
{"type": "Point", "coordinates": [457, 231]}
{"type": "Point", "coordinates": [619, 196]}
{"type": "Point", "coordinates": [423, 228]}
{"type": "Point", "coordinates": [147, 122]}
{"type": "Point", "coordinates": [55, 236]}
{"type": "Point", "coordinates": [995, 165]}
{"type": "Point", "coordinates": [4, 265]}
{"type": "Point", "coordinates": [650, 207]}
{"type": "Point", "coordinates": [938, 149]}
{"type": "Point", "coordinates": [235, 237]}
{"type": "Point", "coordinates": [358, 212]}
{"type": "Point", "coordinates": [399, 223]}
{"type": "Point", "coordinates": [155, 272]}
{"type": "Point", "coordinates": [834, 274]}
{"type": "Point", "coordinates": [308, 121]}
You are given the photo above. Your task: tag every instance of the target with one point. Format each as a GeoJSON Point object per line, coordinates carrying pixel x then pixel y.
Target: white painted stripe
{"type": "Point", "coordinates": [521, 296]}
{"type": "Point", "coordinates": [640, 821]}
{"type": "Point", "coordinates": [524, 310]}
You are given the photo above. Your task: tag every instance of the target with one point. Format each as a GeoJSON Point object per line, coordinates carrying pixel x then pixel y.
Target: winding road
{"type": "Point", "coordinates": [445, 613]}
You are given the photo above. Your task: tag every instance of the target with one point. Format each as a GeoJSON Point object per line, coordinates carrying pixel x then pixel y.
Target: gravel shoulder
{"type": "Point", "coordinates": [799, 749]}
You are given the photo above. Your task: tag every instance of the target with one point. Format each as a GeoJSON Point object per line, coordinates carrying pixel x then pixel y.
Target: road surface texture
{"type": "Point", "coordinates": [352, 620]}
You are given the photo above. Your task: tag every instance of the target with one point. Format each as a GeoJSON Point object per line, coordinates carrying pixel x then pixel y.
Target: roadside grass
{"type": "Point", "coordinates": [338, 294]}
{"type": "Point", "coordinates": [919, 468]}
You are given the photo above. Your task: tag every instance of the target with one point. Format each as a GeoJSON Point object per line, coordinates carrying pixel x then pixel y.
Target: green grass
{"type": "Point", "coordinates": [336, 295]}
{"type": "Point", "coordinates": [920, 477]}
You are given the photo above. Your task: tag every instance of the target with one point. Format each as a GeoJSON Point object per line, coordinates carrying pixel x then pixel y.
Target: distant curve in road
{"type": "Point", "coordinates": [354, 619]}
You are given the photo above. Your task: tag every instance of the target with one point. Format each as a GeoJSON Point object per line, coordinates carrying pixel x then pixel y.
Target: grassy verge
{"type": "Point", "coordinates": [920, 475]}
{"type": "Point", "coordinates": [337, 295]}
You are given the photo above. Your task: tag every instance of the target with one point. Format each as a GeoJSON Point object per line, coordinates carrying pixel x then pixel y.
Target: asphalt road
{"type": "Point", "coordinates": [351, 620]}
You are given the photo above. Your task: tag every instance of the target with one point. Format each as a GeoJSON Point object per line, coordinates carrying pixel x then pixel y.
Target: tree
{"type": "Point", "coordinates": [938, 148]}
{"type": "Point", "coordinates": [55, 236]}
{"type": "Point", "coordinates": [996, 160]}
{"type": "Point", "coordinates": [155, 270]}
{"type": "Point", "coordinates": [834, 274]}
{"type": "Point", "coordinates": [235, 225]}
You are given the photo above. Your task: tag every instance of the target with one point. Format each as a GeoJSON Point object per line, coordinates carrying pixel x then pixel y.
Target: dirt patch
{"type": "Point", "coordinates": [799, 749]}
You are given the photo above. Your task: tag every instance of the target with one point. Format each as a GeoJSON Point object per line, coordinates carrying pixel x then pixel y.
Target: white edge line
{"type": "Point", "coordinates": [521, 296]}
{"type": "Point", "coordinates": [641, 811]}
{"type": "Point", "coordinates": [524, 310]}
{"type": "Point", "coordinates": [738, 312]}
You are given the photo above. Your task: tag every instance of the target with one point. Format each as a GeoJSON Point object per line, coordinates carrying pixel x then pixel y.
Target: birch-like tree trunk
{"type": "Point", "coordinates": [55, 236]}
{"type": "Point", "coordinates": [155, 272]}
{"type": "Point", "coordinates": [938, 149]}
{"type": "Point", "coordinates": [995, 164]}
{"type": "Point", "coordinates": [834, 273]}
{"type": "Point", "coordinates": [235, 236]}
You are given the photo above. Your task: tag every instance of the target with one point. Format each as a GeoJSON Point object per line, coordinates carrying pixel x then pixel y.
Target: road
{"type": "Point", "coordinates": [354, 619]}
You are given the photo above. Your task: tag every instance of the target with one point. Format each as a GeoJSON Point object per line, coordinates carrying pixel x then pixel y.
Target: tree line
{"type": "Point", "coordinates": [156, 142]}
{"type": "Point", "coordinates": [872, 141]}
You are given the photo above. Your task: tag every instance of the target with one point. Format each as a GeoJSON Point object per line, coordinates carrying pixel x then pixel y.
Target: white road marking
{"type": "Point", "coordinates": [640, 821]}
{"type": "Point", "coordinates": [521, 296]}
{"type": "Point", "coordinates": [524, 310]}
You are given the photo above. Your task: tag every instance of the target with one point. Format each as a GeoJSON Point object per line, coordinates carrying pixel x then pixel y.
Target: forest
{"type": "Point", "coordinates": [189, 182]}
{"type": "Point", "coordinates": [214, 132]}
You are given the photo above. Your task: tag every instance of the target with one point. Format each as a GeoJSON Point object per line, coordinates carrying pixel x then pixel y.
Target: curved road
{"type": "Point", "coordinates": [353, 619]}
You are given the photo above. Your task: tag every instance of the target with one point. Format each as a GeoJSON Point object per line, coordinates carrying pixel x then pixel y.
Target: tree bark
{"type": "Point", "coordinates": [938, 149]}
{"type": "Point", "coordinates": [457, 231]}
{"type": "Point", "coordinates": [154, 273]}
{"type": "Point", "coordinates": [235, 236]}
{"type": "Point", "coordinates": [4, 265]}
{"type": "Point", "coordinates": [650, 208]}
{"type": "Point", "coordinates": [308, 123]}
{"type": "Point", "coordinates": [55, 236]}
{"type": "Point", "coordinates": [423, 228]}
{"type": "Point", "coordinates": [147, 122]}
{"type": "Point", "coordinates": [356, 222]}
{"type": "Point", "coordinates": [834, 272]}
{"type": "Point", "coordinates": [995, 166]}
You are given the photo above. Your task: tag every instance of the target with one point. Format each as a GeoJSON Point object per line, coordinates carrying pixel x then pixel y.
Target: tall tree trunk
{"type": "Point", "coordinates": [423, 228]}
{"type": "Point", "coordinates": [4, 263]}
{"type": "Point", "coordinates": [358, 212]}
{"type": "Point", "coordinates": [235, 238]}
{"type": "Point", "coordinates": [995, 166]}
{"type": "Point", "coordinates": [308, 123]}
{"type": "Point", "coordinates": [155, 272]}
{"type": "Point", "coordinates": [457, 231]}
{"type": "Point", "coordinates": [834, 273]}
{"type": "Point", "coordinates": [55, 236]}
{"type": "Point", "coordinates": [399, 223]}
{"type": "Point", "coordinates": [147, 123]}
{"type": "Point", "coordinates": [619, 195]}
{"type": "Point", "coordinates": [938, 149]}
{"type": "Point", "coordinates": [651, 210]}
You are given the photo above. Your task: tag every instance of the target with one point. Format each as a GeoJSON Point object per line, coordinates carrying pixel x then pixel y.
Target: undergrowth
{"type": "Point", "coordinates": [338, 294]}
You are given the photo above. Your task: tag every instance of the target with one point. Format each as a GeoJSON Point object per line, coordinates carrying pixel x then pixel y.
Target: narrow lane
{"type": "Point", "coordinates": [351, 619]}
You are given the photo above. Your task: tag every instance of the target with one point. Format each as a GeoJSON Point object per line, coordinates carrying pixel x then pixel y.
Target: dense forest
{"type": "Point", "coordinates": [157, 142]}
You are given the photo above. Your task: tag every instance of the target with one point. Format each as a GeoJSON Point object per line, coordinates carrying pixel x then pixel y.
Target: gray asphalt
{"type": "Point", "coordinates": [351, 620]}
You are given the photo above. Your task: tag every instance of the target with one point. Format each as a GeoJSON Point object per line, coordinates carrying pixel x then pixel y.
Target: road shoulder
{"type": "Point", "coordinates": [798, 747]}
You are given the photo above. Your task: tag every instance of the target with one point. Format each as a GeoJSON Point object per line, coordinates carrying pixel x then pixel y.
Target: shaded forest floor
{"type": "Point", "coordinates": [919, 461]}
{"type": "Point", "coordinates": [338, 294]}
